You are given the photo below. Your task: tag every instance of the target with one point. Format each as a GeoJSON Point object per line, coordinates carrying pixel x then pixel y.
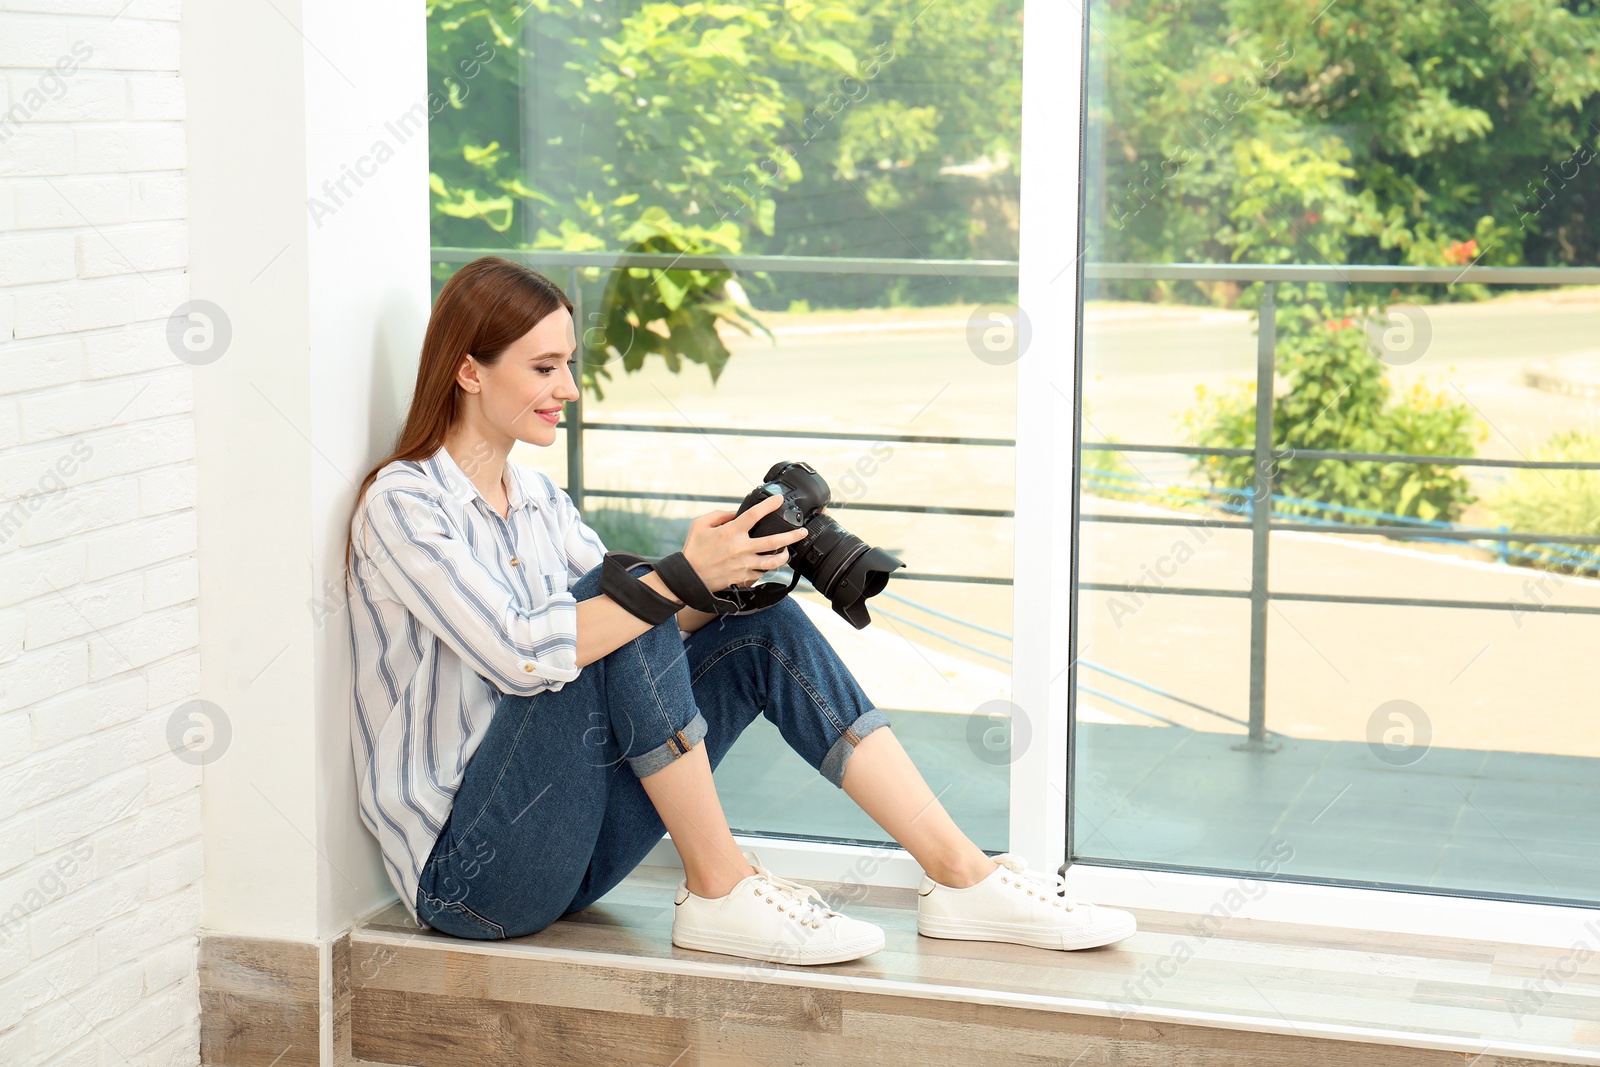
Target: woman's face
{"type": "Point", "coordinates": [521, 396]}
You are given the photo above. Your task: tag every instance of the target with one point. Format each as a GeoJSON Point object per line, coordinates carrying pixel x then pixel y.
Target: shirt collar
{"type": "Point", "coordinates": [462, 488]}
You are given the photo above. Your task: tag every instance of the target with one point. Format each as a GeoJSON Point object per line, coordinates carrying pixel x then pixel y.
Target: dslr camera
{"type": "Point", "coordinates": [838, 564]}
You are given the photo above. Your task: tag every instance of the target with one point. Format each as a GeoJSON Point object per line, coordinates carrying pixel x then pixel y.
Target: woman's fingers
{"type": "Point", "coordinates": [778, 540]}
{"type": "Point", "coordinates": [756, 512]}
{"type": "Point", "coordinates": [723, 553]}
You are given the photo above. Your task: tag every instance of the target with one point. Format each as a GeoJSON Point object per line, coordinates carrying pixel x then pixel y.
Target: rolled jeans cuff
{"type": "Point", "coordinates": [839, 754]}
{"type": "Point", "coordinates": [674, 747]}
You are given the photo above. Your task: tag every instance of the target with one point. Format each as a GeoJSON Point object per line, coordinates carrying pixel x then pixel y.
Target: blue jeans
{"type": "Point", "coordinates": [550, 814]}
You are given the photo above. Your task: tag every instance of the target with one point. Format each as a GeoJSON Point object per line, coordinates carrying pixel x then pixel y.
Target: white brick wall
{"type": "Point", "coordinates": [100, 855]}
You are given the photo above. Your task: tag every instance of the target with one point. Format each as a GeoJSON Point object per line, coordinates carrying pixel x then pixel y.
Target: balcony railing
{"type": "Point", "coordinates": [577, 426]}
{"type": "Point", "coordinates": [1259, 520]}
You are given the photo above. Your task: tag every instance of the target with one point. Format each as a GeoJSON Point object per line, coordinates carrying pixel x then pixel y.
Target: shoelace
{"type": "Point", "coordinates": [793, 893]}
{"type": "Point", "coordinates": [1046, 887]}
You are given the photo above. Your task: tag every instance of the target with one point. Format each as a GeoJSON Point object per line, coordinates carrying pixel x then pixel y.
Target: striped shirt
{"type": "Point", "coordinates": [451, 605]}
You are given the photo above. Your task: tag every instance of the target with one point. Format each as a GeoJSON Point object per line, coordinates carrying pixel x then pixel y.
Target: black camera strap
{"type": "Point", "coordinates": [686, 584]}
{"type": "Point", "coordinates": [637, 598]}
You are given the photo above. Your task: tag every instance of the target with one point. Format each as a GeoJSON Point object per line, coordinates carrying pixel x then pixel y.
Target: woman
{"type": "Point", "coordinates": [522, 740]}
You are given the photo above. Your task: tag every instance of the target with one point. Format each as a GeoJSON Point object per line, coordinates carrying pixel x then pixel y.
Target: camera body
{"type": "Point", "coordinates": [838, 564]}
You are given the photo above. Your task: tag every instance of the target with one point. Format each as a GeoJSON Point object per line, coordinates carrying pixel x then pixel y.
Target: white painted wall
{"type": "Point", "coordinates": [370, 298]}
{"type": "Point", "coordinates": [100, 823]}
{"type": "Point", "coordinates": [327, 314]}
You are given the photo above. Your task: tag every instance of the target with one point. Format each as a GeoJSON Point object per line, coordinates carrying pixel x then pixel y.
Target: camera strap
{"type": "Point", "coordinates": [635, 597]}
{"type": "Point", "coordinates": [686, 584]}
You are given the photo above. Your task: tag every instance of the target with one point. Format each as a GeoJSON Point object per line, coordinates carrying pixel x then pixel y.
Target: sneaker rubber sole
{"type": "Point", "coordinates": [837, 952]}
{"type": "Point", "coordinates": [1020, 933]}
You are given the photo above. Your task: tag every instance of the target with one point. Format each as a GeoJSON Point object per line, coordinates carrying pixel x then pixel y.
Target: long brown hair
{"type": "Point", "coordinates": [484, 307]}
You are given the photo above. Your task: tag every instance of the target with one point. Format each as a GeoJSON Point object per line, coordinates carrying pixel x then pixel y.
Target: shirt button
{"type": "Point", "coordinates": [515, 562]}
{"type": "Point", "coordinates": [528, 667]}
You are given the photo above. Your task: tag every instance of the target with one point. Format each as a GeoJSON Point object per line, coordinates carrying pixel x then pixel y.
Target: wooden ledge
{"type": "Point", "coordinates": [607, 985]}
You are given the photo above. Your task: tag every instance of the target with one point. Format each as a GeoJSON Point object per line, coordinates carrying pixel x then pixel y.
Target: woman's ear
{"type": "Point", "coordinates": [470, 384]}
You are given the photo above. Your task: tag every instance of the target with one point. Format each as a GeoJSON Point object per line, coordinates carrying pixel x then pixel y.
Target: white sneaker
{"type": "Point", "coordinates": [765, 917]}
{"type": "Point", "coordinates": [1019, 906]}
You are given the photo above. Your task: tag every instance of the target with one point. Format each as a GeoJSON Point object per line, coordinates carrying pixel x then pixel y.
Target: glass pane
{"type": "Point", "coordinates": [1304, 660]}
{"type": "Point", "coordinates": [877, 140]}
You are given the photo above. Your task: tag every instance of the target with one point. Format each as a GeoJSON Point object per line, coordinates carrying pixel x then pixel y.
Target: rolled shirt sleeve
{"type": "Point", "coordinates": [442, 581]}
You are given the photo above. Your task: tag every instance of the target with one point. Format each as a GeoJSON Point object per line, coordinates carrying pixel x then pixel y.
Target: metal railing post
{"type": "Point", "coordinates": [1261, 519]}
{"type": "Point", "coordinates": [575, 408]}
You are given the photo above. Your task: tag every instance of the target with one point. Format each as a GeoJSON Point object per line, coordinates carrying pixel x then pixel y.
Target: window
{"type": "Point", "coordinates": [1311, 238]}
{"type": "Point", "coordinates": [791, 232]}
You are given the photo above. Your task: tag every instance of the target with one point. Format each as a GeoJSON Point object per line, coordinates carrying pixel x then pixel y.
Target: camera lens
{"type": "Point", "coordinates": [843, 568]}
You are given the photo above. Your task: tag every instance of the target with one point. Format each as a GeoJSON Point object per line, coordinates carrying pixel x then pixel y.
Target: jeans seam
{"type": "Point", "coordinates": [510, 750]}
{"type": "Point", "coordinates": [788, 665]}
{"type": "Point", "coordinates": [655, 695]}
{"type": "Point", "coordinates": [439, 904]}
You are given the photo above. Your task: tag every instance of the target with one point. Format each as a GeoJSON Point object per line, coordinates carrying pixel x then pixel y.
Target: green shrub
{"type": "Point", "coordinates": [1339, 399]}
{"type": "Point", "coordinates": [1555, 502]}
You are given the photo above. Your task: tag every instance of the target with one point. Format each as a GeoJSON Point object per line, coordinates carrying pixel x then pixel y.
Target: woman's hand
{"type": "Point", "coordinates": [753, 581]}
{"type": "Point", "coordinates": [722, 552]}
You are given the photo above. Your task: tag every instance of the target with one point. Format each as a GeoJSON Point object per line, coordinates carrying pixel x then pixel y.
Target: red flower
{"type": "Point", "coordinates": [1340, 324]}
{"type": "Point", "coordinates": [1461, 252]}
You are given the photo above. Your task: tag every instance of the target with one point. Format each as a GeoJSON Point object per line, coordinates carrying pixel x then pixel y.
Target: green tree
{"type": "Point", "coordinates": [626, 119]}
{"type": "Point", "coordinates": [786, 127]}
{"type": "Point", "coordinates": [875, 153]}
{"type": "Point", "coordinates": [1379, 131]}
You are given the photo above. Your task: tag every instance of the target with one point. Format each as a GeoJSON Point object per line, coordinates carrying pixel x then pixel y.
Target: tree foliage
{"type": "Point", "coordinates": [1361, 131]}
{"type": "Point", "coordinates": [773, 126]}
{"type": "Point", "coordinates": [1261, 131]}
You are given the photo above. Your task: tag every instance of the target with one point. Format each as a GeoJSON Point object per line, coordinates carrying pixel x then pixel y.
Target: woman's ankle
{"type": "Point", "coordinates": [719, 884]}
{"type": "Point", "coordinates": [966, 874]}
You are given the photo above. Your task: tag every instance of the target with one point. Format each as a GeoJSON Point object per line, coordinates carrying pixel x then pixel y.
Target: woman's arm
{"type": "Point", "coordinates": [690, 620]}
{"type": "Point", "coordinates": [411, 548]}
{"type": "Point", "coordinates": [719, 548]}
{"type": "Point", "coordinates": [605, 626]}
{"type": "Point", "coordinates": [603, 631]}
